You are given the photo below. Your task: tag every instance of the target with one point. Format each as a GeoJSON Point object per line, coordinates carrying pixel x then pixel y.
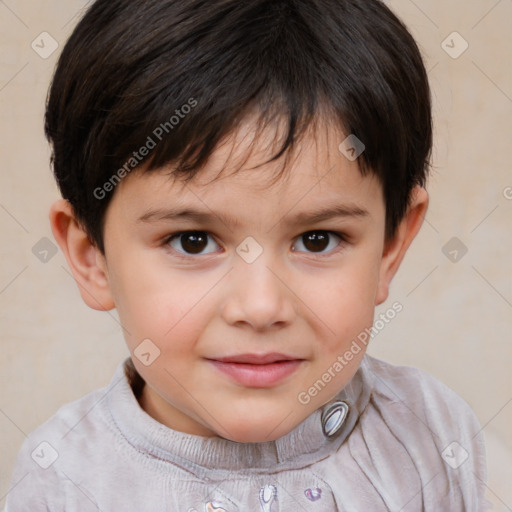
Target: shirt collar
{"type": "Point", "coordinates": [304, 445]}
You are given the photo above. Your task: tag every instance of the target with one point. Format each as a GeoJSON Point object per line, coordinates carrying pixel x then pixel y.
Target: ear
{"type": "Point", "coordinates": [85, 260]}
{"type": "Point", "coordinates": [395, 249]}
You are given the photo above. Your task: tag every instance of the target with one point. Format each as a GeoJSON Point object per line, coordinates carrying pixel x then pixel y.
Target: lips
{"type": "Point", "coordinates": [257, 370]}
{"type": "Point", "coordinates": [256, 358]}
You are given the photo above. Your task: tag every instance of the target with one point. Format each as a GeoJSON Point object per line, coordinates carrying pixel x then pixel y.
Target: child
{"type": "Point", "coordinates": [241, 181]}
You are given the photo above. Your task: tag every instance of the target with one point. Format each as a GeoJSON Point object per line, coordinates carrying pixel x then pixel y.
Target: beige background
{"type": "Point", "coordinates": [457, 316]}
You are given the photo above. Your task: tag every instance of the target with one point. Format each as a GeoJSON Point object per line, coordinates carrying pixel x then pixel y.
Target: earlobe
{"type": "Point", "coordinates": [395, 249]}
{"type": "Point", "coordinates": [84, 259]}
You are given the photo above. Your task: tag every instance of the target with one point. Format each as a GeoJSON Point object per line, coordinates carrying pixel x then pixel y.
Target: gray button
{"type": "Point", "coordinates": [333, 417]}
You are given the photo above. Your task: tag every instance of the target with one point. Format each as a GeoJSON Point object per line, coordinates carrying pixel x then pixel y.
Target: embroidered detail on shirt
{"type": "Point", "coordinates": [212, 506]}
{"type": "Point", "coordinates": [268, 495]}
{"type": "Point", "coordinates": [313, 494]}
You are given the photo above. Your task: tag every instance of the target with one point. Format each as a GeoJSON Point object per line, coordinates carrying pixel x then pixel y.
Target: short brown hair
{"type": "Point", "coordinates": [129, 67]}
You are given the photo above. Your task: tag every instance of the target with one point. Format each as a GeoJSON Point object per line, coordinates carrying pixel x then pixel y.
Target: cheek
{"type": "Point", "coordinates": [164, 307]}
{"type": "Point", "coordinates": [345, 303]}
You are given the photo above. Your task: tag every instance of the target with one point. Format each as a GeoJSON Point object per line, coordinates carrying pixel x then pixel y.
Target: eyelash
{"type": "Point", "coordinates": [185, 256]}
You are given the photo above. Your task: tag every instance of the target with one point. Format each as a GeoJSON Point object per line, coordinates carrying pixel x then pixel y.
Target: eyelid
{"type": "Point", "coordinates": [336, 250]}
{"type": "Point", "coordinates": [183, 255]}
{"type": "Point", "coordinates": [344, 239]}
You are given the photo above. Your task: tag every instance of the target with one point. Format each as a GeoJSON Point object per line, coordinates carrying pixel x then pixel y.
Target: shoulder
{"type": "Point", "coordinates": [426, 395]}
{"type": "Point", "coordinates": [80, 419]}
{"type": "Point", "coordinates": [433, 427]}
{"type": "Point", "coordinates": [51, 451]}
{"type": "Point", "coordinates": [413, 397]}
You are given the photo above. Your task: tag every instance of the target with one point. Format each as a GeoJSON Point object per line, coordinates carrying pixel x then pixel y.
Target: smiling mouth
{"type": "Point", "coordinates": [254, 370]}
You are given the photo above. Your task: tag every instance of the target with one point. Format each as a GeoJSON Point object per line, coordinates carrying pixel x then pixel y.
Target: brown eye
{"type": "Point", "coordinates": [319, 241]}
{"type": "Point", "coordinates": [190, 242]}
{"type": "Point", "coordinates": [316, 242]}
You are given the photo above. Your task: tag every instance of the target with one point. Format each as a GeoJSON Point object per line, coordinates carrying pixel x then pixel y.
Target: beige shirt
{"type": "Point", "coordinates": [408, 444]}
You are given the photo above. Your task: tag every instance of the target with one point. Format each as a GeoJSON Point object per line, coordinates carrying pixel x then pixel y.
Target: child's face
{"type": "Point", "coordinates": [199, 300]}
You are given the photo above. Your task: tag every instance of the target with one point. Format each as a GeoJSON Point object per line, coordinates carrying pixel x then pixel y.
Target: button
{"type": "Point", "coordinates": [268, 495]}
{"type": "Point", "coordinates": [333, 417]}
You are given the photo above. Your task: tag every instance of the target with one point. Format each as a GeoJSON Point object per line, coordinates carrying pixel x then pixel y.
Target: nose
{"type": "Point", "coordinates": [258, 295]}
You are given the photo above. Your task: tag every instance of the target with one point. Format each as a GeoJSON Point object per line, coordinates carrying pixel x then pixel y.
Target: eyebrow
{"type": "Point", "coordinates": [204, 216]}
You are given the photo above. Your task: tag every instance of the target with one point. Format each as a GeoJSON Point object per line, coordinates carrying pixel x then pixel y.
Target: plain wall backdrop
{"type": "Point", "coordinates": [455, 284]}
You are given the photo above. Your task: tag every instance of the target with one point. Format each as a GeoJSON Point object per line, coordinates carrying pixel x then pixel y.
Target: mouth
{"type": "Point", "coordinates": [257, 370]}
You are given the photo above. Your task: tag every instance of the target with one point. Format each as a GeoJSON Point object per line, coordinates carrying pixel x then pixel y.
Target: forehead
{"type": "Point", "coordinates": [238, 173]}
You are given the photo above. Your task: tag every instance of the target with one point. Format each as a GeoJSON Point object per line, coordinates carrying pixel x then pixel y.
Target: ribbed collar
{"type": "Point", "coordinates": [301, 447]}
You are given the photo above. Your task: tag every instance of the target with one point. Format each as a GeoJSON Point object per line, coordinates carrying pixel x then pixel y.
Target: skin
{"type": "Point", "coordinates": [304, 300]}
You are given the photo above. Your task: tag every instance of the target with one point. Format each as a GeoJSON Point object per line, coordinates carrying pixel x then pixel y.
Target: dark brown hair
{"type": "Point", "coordinates": [176, 76]}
